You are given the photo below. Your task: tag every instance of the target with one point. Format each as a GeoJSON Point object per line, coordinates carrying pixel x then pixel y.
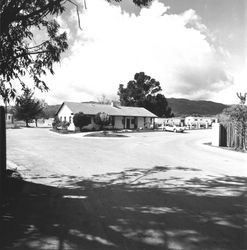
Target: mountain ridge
{"type": "Point", "coordinates": [179, 106]}
{"type": "Point", "coordinates": [184, 107]}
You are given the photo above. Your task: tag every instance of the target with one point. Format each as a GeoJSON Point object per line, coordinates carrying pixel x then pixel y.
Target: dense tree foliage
{"type": "Point", "coordinates": [144, 91]}
{"type": "Point", "coordinates": [102, 119]}
{"type": "Point", "coordinates": [20, 55]}
{"type": "Point", "coordinates": [80, 120]}
{"type": "Point", "coordinates": [27, 107]}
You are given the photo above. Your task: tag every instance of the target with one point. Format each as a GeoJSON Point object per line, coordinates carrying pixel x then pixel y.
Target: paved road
{"type": "Point", "coordinates": [176, 193]}
{"type": "Point", "coordinates": [44, 153]}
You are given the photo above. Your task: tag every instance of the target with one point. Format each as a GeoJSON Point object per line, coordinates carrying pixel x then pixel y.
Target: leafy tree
{"type": "Point", "coordinates": [6, 93]}
{"type": "Point", "coordinates": [80, 120]}
{"type": "Point", "coordinates": [27, 107]}
{"type": "Point", "coordinates": [102, 119]}
{"type": "Point", "coordinates": [21, 52]}
{"type": "Point", "coordinates": [143, 91]}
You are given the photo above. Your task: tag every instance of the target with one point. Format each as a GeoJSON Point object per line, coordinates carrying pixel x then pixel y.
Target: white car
{"type": "Point", "coordinates": [174, 128]}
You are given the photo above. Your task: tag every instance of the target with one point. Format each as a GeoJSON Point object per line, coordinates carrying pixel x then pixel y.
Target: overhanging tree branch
{"type": "Point", "coordinates": [77, 11]}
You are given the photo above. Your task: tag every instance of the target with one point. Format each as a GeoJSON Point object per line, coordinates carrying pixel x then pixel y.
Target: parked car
{"type": "Point", "coordinates": [174, 128]}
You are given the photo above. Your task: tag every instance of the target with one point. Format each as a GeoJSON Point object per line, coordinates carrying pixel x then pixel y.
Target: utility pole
{"type": "Point", "coordinates": [2, 148]}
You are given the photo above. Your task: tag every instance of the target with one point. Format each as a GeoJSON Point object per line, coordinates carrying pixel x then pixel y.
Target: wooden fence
{"type": "Point", "coordinates": [235, 135]}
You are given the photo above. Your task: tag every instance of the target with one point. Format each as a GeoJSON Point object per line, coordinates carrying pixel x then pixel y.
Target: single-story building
{"type": "Point", "coordinates": [122, 117]}
{"type": "Point", "coordinates": [178, 121]}
{"type": "Point", "coordinates": [195, 121]}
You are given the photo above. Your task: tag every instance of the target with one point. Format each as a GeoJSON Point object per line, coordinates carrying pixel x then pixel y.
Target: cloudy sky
{"type": "Point", "coordinates": [196, 49]}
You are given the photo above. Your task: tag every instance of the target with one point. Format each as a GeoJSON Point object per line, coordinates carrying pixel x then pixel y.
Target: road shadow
{"type": "Point", "coordinates": [131, 213]}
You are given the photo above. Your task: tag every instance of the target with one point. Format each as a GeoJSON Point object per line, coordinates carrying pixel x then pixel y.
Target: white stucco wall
{"type": "Point", "coordinates": [140, 122]}
{"type": "Point", "coordinates": [144, 122]}
{"type": "Point", "coordinates": [65, 111]}
{"type": "Point", "coordinates": [216, 134]}
{"type": "Point", "coordinates": [118, 122]}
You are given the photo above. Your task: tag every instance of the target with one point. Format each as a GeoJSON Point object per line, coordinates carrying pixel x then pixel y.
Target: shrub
{"type": "Point", "coordinates": [56, 123]}
{"type": "Point", "coordinates": [102, 119]}
{"type": "Point", "coordinates": [65, 125]}
{"type": "Point", "coordinates": [80, 120]}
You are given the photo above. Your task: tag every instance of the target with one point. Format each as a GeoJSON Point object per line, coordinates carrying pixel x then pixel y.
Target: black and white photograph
{"type": "Point", "coordinates": [123, 124]}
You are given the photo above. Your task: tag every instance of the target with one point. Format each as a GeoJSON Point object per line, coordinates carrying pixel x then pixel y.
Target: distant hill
{"type": "Point", "coordinates": [179, 106]}
{"type": "Point", "coordinates": [183, 107]}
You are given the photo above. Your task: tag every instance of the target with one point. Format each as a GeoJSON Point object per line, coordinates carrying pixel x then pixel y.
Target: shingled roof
{"type": "Point", "coordinates": [113, 110]}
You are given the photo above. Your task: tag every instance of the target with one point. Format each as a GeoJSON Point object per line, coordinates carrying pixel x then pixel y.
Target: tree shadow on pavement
{"type": "Point", "coordinates": [131, 214]}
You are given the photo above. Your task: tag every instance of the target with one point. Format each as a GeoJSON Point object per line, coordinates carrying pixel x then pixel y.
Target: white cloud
{"type": "Point", "coordinates": [229, 94]}
{"type": "Point", "coordinates": [113, 46]}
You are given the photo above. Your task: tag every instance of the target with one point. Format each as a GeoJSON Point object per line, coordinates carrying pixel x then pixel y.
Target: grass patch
{"type": "Point", "coordinates": [61, 131]}
{"type": "Point", "coordinates": [104, 134]}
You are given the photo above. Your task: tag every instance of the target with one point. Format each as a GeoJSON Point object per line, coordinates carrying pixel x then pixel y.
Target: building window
{"type": "Point", "coordinates": [133, 121]}
{"type": "Point", "coordinates": [70, 119]}
{"type": "Point", "coordinates": [61, 118]}
{"type": "Point", "coordinates": [64, 118]}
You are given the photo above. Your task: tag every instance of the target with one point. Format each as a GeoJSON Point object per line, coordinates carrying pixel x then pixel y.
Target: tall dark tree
{"type": "Point", "coordinates": [27, 107]}
{"type": "Point", "coordinates": [158, 105]}
{"type": "Point", "coordinates": [144, 91]}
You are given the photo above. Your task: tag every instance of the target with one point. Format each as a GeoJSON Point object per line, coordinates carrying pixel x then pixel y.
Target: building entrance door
{"type": "Point", "coordinates": [128, 123]}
